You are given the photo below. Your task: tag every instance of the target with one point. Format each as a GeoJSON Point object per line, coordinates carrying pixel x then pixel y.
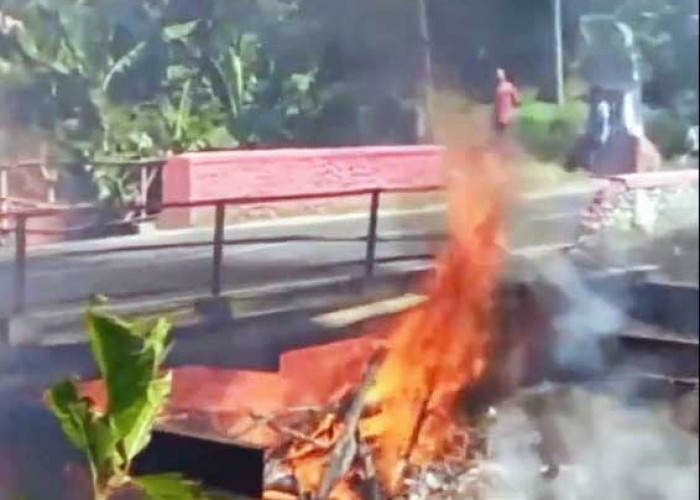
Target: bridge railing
{"type": "Point", "coordinates": [17, 220]}
{"type": "Point", "coordinates": [146, 173]}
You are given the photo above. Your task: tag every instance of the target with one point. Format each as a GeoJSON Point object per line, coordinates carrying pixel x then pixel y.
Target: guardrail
{"type": "Point", "coordinates": [148, 171]}
{"type": "Point", "coordinates": [22, 217]}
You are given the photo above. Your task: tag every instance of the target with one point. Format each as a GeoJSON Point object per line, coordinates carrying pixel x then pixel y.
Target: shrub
{"type": "Point", "coordinates": [547, 131]}
{"type": "Point", "coordinates": [129, 357]}
{"type": "Point", "coordinates": [668, 132]}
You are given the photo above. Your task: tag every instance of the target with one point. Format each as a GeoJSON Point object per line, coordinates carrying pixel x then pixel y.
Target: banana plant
{"type": "Point", "coordinates": [129, 357]}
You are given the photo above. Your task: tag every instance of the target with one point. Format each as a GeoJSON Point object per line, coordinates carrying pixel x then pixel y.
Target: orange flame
{"type": "Point", "coordinates": [436, 350]}
{"type": "Point", "coordinates": [440, 348]}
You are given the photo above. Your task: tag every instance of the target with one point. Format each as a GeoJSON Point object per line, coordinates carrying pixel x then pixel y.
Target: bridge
{"type": "Point", "coordinates": [241, 294]}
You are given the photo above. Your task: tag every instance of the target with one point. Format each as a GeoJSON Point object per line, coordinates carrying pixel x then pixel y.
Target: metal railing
{"type": "Point", "coordinates": [148, 171]}
{"type": "Point", "coordinates": [22, 217]}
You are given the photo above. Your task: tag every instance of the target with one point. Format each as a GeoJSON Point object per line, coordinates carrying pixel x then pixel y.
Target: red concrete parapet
{"type": "Point", "coordinates": [255, 174]}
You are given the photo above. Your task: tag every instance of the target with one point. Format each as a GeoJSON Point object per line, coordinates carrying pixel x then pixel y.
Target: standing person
{"type": "Point", "coordinates": [692, 144]}
{"type": "Point", "coordinates": [599, 125]}
{"type": "Point", "coordinates": [599, 118]}
{"type": "Point", "coordinates": [692, 141]}
{"type": "Point", "coordinates": [507, 98]}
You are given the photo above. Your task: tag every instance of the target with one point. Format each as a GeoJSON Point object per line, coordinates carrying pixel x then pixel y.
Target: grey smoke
{"type": "Point", "coordinates": [582, 318]}
{"type": "Point", "coordinates": [604, 450]}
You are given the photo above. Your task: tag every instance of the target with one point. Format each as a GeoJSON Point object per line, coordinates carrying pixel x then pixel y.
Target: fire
{"type": "Point", "coordinates": [406, 407]}
{"type": "Point", "coordinates": [440, 348]}
{"type": "Point", "coordinates": [434, 351]}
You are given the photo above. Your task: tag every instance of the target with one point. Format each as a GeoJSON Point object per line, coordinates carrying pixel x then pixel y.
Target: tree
{"type": "Point", "coordinates": [108, 81]}
{"type": "Point", "coordinates": [666, 34]}
{"type": "Point", "coordinates": [134, 79]}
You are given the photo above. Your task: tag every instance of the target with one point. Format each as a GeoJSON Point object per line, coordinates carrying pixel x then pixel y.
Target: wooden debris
{"type": "Point", "coordinates": [417, 427]}
{"type": "Point", "coordinates": [346, 448]}
{"type": "Point", "coordinates": [289, 432]}
{"type": "Point", "coordinates": [280, 480]}
{"type": "Point", "coordinates": [372, 490]}
{"type": "Point", "coordinates": [347, 317]}
{"type": "Point", "coordinates": [278, 495]}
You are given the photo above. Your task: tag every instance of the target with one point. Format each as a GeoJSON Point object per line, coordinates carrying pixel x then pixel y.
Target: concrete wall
{"type": "Point", "coordinates": [255, 174]}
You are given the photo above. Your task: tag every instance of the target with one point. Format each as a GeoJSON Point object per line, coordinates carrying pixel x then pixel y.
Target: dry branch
{"type": "Point", "coordinates": [372, 489]}
{"type": "Point", "coordinates": [345, 449]}
{"type": "Point", "coordinates": [285, 431]}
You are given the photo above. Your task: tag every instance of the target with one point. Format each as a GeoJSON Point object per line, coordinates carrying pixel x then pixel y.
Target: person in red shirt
{"type": "Point", "coordinates": [506, 100]}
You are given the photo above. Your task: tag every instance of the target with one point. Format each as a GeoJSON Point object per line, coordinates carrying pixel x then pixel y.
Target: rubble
{"type": "Point", "coordinates": [628, 225]}
{"type": "Point", "coordinates": [599, 443]}
{"type": "Point", "coordinates": [651, 210]}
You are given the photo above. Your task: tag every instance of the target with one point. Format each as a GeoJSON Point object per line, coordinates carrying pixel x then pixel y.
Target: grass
{"type": "Point", "coordinates": [539, 176]}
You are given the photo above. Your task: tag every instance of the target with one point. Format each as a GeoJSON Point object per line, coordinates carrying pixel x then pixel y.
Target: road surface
{"type": "Point", "coordinates": [64, 275]}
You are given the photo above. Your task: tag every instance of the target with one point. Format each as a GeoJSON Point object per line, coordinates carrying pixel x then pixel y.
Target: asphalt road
{"type": "Point", "coordinates": [64, 275]}
{"type": "Point", "coordinates": [328, 245]}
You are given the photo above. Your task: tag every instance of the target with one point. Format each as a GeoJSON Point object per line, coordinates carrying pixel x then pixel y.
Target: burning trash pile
{"type": "Point", "coordinates": [383, 416]}
{"type": "Point", "coordinates": [377, 437]}
{"type": "Point", "coordinates": [389, 416]}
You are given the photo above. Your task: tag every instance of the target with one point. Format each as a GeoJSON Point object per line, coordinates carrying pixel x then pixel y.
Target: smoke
{"type": "Point", "coordinates": [582, 318]}
{"type": "Point", "coordinates": [560, 442]}
{"type": "Point", "coordinates": [596, 447]}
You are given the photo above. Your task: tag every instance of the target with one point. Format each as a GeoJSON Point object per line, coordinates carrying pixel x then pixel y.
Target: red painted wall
{"type": "Point", "coordinates": [233, 174]}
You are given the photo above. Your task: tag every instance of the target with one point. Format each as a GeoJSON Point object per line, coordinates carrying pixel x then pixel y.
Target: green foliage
{"type": "Point", "coordinates": [133, 79]}
{"type": "Point", "coordinates": [91, 434]}
{"type": "Point", "coordinates": [668, 132]}
{"type": "Point", "coordinates": [120, 80]}
{"type": "Point", "coordinates": [168, 487]}
{"type": "Point", "coordinates": [666, 38]}
{"type": "Point", "coordinates": [129, 359]}
{"type": "Point", "coordinates": [547, 131]}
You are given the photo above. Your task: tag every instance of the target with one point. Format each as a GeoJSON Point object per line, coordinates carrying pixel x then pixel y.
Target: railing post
{"type": "Point", "coordinates": [143, 172]}
{"type": "Point", "coordinates": [372, 235]}
{"type": "Point", "coordinates": [219, 220]}
{"type": "Point", "coordinates": [49, 173]}
{"type": "Point", "coordinates": [20, 281]}
{"type": "Point", "coordinates": [4, 195]}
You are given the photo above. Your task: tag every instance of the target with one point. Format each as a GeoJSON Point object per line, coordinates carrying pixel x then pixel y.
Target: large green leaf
{"type": "Point", "coordinates": [141, 417]}
{"type": "Point", "coordinates": [114, 348]}
{"type": "Point", "coordinates": [220, 138]}
{"type": "Point", "coordinates": [178, 72]}
{"type": "Point", "coordinates": [156, 339]}
{"type": "Point", "coordinates": [86, 33]}
{"type": "Point", "coordinates": [35, 48]}
{"type": "Point", "coordinates": [128, 360]}
{"type": "Point", "coordinates": [183, 111]}
{"type": "Point", "coordinates": [64, 402]}
{"type": "Point", "coordinates": [179, 31]}
{"type": "Point", "coordinates": [168, 487]}
{"type": "Point", "coordinates": [238, 81]}
{"type": "Point", "coordinates": [123, 64]}
{"type": "Point", "coordinates": [214, 73]}
{"type": "Point", "coordinates": [82, 426]}
{"type": "Point", "coordinates": [128, 357]}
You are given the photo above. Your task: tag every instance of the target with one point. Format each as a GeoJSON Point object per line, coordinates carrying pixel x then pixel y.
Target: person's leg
{"type": "Point", "coordinates": [499, 135]}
